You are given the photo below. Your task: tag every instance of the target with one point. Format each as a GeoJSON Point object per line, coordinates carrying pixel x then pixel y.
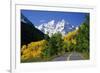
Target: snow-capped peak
{"type": "Point", "coordinates": [60, 25]}
{"type": "Point", "coordinates": [51, 27]}
{"type": "Point", "coordinates": [22, 20]}
{"type": "Point", "coordinates": [51, 22]}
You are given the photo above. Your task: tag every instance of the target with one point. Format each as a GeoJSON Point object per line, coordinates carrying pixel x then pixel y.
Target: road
{"type": "Point", "coordinates": [61, 58]}
{"type": "Point", "coordinates": [71, 56]}
{"type": "Point", "coordinates": [75, 56]}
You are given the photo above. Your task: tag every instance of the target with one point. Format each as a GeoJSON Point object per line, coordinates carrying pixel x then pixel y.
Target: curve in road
{"type": "Point", "coordinates": [69, 57]}
{"type": "Point", "coordinates": [75, 56]}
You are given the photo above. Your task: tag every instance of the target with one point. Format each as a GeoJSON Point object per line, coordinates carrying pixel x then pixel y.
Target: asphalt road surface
{"type": "Point", "coordinates": [75, 56]}
{"type": "Point", "coordinates": [71, 56]}
{"type": "Point", "coordinates": [61, 58]}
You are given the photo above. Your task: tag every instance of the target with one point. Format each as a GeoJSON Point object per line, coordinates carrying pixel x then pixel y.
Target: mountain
{"type": "Point", "coordinates": [52, 27]}
{"type": "Point", "coordinates": [28, 32]}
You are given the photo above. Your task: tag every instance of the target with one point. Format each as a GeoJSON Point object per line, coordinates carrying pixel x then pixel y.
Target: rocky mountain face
{"type": "Point", "coordinates": [53, 27]}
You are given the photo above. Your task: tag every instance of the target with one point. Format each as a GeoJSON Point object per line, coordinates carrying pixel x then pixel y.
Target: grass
{"type": "Point", "coordinates": [36, 59]}
{"type": "Point", "coordinates": [86, 55]}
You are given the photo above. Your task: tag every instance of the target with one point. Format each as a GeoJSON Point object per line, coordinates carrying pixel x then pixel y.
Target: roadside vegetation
{"type": "Point", "coordinates": [57, 45]}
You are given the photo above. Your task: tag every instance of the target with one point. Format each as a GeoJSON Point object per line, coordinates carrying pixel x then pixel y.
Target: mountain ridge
{"type": "Point", "coordinates": [51, 27]}
{"type": "Point", "coordinates": [29, 33]}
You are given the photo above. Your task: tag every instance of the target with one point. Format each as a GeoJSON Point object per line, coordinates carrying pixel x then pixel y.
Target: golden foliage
{"type": "Point", "coordinates": [33, 49]}
{"type": "Point", "coordinates": [70, 36]}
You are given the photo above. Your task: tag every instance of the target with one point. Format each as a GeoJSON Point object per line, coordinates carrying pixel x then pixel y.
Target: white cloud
{"type": "Point", "coordinates": [42, 20]}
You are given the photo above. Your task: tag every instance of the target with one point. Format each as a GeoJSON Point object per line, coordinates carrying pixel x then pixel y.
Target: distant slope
{"type": "Point", "coordinates": [28, 32]}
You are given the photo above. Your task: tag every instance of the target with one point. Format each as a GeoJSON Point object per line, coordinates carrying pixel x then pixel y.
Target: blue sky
{"type": "Point", "coordinates": [38, 17]}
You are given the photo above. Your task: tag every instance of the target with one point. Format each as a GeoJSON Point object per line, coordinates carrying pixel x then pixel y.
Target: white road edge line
{"type": "Point", "coordinates": [68, 58]}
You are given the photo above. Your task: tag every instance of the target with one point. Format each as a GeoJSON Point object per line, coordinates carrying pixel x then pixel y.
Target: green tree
{"type": "Point", "coordinates": [83, 37]}
{"type": "Point", "coordinates": [46, 52]}
{"type": "Point", "coordinates": [54, 46]}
